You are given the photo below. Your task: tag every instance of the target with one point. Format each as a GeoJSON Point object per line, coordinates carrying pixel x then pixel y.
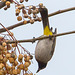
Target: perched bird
{"type": "Point", "coordinates": [45, 48]}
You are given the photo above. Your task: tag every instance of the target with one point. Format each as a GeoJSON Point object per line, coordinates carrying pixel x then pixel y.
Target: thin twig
{"type": "Point", "coordinates": [42, 37]}
{"type": "Point", "coordinates": [61, 11]}
{"type": "Point", "coordinates": [52, 14]}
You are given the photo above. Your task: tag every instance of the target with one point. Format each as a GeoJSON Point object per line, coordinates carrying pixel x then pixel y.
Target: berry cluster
{"type": "Point", "coordinates": [8, 2]}
{"type": "Point", "coordinates": [15, 59]}
{"type": "Point", "coordinates": [12, 60]}
{"type": "Point", "coordinates": [28, 12]}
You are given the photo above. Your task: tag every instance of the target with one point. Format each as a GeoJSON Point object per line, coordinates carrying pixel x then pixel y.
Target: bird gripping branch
{"type": "Point", "coordinates": [45, 48]}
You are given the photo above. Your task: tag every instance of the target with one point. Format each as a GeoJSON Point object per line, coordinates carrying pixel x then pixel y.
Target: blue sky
{"type": "Point", "coordinates": [63, 60]}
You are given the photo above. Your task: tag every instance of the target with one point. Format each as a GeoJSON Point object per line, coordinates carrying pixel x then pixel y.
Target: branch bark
{"type": "Point", "coordinates": [52, 14]}
{"type": "Point", "coordinates": [61, 11]}
{"type": "Point", "coordinates": [40, 38]}
{"type": "Point", "coordinates": [11, 27]}
{"type": "Point", "coordinates": [2, 4]}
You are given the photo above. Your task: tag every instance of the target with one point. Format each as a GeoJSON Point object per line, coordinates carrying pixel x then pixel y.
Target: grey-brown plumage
{"type": "Point", "coordinates": [45, 48]}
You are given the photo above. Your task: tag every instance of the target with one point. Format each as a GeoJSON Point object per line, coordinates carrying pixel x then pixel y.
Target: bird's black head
{"type": "Point", "coordinates": [44, 15]}
{"type": "Point", "coordinates": [41, 66]}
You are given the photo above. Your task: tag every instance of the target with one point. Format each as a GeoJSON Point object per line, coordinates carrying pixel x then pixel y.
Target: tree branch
{"type": "Point", "coordinates": [11, 27]}
{"type": "Point", "coordinates": [52, 14]}
{"type": "Point", "coordinates": [2, 4]}
{"type": "Point", "coordinates": [40, 38]}
{"type": "Point", "coordinates": [61, 11]}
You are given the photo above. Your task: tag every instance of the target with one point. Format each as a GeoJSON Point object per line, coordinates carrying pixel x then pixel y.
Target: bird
{"type": "Point", "coordinates": [45, 48]}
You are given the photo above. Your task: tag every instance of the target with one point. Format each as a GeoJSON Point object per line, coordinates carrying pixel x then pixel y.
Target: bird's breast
{"type": "Point", "coordinates": [43, 50]}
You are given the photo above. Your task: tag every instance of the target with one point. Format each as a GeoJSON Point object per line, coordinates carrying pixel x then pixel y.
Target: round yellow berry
{"type": "Point", "coordinates": [25, 22]}
{"type": "Point", "coordinates": [19, 18]}
{"type": "Point", "coordinates": [7, 3]}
